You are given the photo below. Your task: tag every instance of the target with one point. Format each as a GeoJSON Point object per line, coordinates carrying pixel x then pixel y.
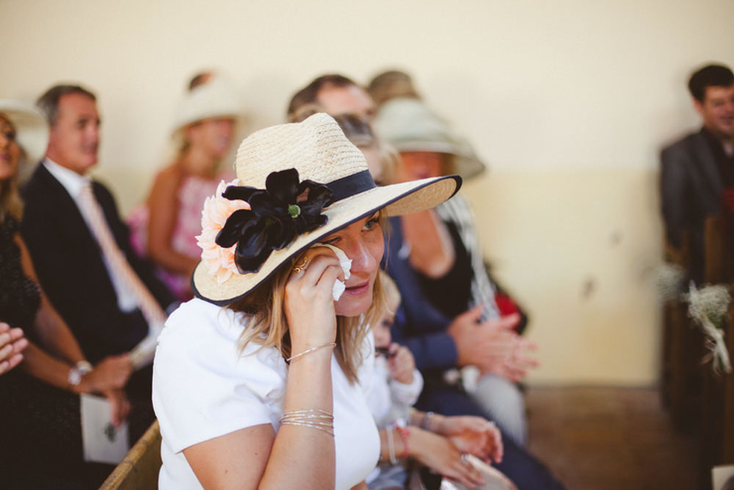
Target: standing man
{"type": "Point", "coordinates": [79, 244]}
{"type": "Point", "coordinates": [698, 169]}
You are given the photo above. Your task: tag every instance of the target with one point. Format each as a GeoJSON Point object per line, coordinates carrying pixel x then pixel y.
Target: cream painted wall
{"type": "Point", "coordinates": [568, 100]}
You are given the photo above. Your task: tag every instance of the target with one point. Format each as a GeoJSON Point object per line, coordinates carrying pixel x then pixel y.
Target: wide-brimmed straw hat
{"type": "Point", "coordinates": [314, 161]}
{"type": "Point", "coordinates": [31, 129]}
{"type": "Point", "coordinates": [408, 125]}
{"type": "Point", "coordinates": [215, 98]}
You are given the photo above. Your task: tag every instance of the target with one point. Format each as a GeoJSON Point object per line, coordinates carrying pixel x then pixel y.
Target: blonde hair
{"type": "Point", "coordinates": [268, 325]}
{"type": "Point", "coordinates": [391, 289]}
{"type": "Point", "coordinates": [11, 204]}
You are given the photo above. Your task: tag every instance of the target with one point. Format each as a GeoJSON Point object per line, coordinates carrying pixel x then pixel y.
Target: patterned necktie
{"type": "Point", "coordinates": [150, 308]}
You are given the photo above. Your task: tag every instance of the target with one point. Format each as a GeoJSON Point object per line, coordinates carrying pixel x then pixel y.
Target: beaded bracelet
{"type": "Point", "coordinates": [308, 351]}
{"type": "Point", "coordinates": [404, 433]}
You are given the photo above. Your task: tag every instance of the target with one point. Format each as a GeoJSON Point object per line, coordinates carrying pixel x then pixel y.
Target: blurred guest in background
{"type": "Point", "coordinates": [39, 402]}
{"type": "Point", "coordinates": [391, 84]}
{"type": "Point", "coordinates": [165, 228]}
{"type": "Point", "coordinates": [698, 170]}
{"type": "Point", "coordinates": [81, 249]}
{"type": "Point", "coordinates": [333, 94]}
{"type": "Point", "coordinates": [452, 316]}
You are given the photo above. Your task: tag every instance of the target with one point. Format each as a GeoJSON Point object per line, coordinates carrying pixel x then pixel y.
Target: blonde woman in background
{"type": "Point", "coordinates": [164, 229]}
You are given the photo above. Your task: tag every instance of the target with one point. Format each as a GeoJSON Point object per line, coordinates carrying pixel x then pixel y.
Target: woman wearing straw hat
{"type": "Point", "coordinates": [42, 442]}
{"type": "Point", "coordinates": [165, 228]}
{"type": "Point", "coordinates": [260, 381]}
{"type": "Point", "coordinates": [454, 314]}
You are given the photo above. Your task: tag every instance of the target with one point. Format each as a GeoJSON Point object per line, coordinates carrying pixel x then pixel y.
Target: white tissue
{"type": "Point", "coordinates": [346, 265]}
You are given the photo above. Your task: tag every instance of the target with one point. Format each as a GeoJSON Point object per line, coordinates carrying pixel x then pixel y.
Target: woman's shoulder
{"type": "Point", "coordinates": [209, 335]}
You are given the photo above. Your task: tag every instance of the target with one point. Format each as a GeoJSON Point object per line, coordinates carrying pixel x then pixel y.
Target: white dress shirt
{"type": "Point", "coordinates": [73, 183]}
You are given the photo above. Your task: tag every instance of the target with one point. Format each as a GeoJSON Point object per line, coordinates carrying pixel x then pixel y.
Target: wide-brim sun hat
{"type": "Point", "coordinates": [31, 127]}
{"type": "Point", "coordinates": [215, 98]}
{"type": "Point", "coordinates": [409, 125]}
{"type": "Point", "coordinates": [327, 169]}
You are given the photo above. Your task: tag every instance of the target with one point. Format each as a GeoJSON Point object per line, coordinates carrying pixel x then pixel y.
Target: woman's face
{"type": "Point", "coordinates": [363, 243]}
{"type": "Point", "coordinates": [214, 135]}
{"type": "Point", "coordinates": [9, 150]}
{"type": "Point", "coordinates": [416, 165]}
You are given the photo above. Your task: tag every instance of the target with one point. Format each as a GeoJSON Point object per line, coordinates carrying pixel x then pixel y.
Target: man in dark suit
{"type": "Point", "coordinates": [75, 270]}
{"type": "Point", "coordinates": [697, 170]}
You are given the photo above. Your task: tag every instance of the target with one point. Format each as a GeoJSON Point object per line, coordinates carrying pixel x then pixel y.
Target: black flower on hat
{"type": "Point", "coordinates": [277, 214]}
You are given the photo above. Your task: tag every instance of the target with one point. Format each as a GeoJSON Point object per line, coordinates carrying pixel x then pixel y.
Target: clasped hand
{"type": "Point", "coordinates": [492, 345]}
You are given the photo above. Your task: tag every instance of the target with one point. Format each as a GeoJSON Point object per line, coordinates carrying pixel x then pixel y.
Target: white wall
{"type": "Point", "coordinates": [568, 100]}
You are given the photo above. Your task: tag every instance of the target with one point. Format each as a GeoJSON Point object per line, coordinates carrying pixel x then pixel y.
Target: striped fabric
{"type": "Point", "coordinates": [457, 211]}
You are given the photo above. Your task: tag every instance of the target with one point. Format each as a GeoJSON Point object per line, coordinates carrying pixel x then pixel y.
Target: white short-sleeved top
{"type": "Point", "coordinates": [203, 389]}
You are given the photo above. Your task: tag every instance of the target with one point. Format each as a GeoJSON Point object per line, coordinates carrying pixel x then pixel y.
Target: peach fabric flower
{"type": "Point", "coordinates": [218, 260]}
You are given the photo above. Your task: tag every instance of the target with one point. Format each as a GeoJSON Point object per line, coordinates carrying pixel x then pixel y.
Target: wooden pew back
{"type": "Point", "coordinates": [139, 470]}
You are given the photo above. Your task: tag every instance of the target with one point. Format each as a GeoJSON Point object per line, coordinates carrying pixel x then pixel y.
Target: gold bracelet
{"type": "Point", "coordinates": [308, 351]}
{"type": "Point", "coordinates": [328, 429]}
{"type": "Point", "coordinates": [313, 418]}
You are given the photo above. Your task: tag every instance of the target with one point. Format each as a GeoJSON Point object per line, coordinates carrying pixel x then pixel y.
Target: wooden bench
{"type": "Point", "coordinates": [717, 401]}
{"type": "Point", "coordinates": [139, 469]}
{"type": "Point", "coordinates": [682, 350]}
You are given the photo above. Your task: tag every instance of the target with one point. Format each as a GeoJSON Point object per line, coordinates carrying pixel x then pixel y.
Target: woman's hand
{"type": "Point", "coordinates": [112, 373]}
{"type": "Point", "coordinates": [473, 435]}
{"type": "Point", "coordinates": [119, 406]}
{"type": "Point", "coordinates": [12, 343]}
{"type": "Point", "coordinates": [441, 455]}
{"type": "Point", "coordinates": [401, 364]}
{"type": "Point", "coordinates": [309, 304]}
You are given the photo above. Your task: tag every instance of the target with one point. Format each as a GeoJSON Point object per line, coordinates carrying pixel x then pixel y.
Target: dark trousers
{"type": "Point", "coordinates": [520, 466]}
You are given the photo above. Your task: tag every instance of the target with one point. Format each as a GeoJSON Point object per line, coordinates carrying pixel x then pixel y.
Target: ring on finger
{"type": "Point", "coordinates": [464, 458]}
{"type": "Point", "coordinates": [301, 267]}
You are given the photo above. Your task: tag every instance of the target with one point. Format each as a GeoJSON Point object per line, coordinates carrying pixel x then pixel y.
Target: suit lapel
{"type": "Point", "coordinates": [67, 212]}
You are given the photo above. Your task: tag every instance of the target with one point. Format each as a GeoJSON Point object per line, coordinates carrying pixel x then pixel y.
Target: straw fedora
{"type": "Point", "coordinates": [31, 127]}
{"type": "Point", "coordinates": [408, 125]}
{"type": "Point", "coordinates": [216, 98]}
{"type": "Point", "coordinates": [341, 191]}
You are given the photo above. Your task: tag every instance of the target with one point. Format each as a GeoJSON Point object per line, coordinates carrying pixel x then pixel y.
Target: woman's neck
{"type": "Point", "coordinates": [196, 161]}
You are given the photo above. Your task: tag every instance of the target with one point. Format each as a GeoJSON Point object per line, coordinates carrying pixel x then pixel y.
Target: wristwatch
{"type": "Point", "coordinates": [78, 371]}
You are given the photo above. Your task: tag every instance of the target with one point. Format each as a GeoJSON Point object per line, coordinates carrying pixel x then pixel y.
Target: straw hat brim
{"type": "Point", "coordinates": [32, 131]}
{"type": "Point", "coordinates": [397, 199]}
{"type": "Point", "coordinates": [466, 164]}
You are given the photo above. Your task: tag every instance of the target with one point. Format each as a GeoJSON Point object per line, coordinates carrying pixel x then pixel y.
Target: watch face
{"type": "Point", "coordinates": [75, 377]}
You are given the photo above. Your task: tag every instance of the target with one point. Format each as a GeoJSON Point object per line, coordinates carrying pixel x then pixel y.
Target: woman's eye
{"type": "Point", "coordinates": [371, 223]}
{"type": "Point", "coordinates": [9, 135]}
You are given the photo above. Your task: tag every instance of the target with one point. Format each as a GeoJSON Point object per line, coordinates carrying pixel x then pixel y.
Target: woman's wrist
{"type": "Point", "coordinates": [436, 424]}
{"type": "Point", "coordinates": [79, 377]}
{"type": "Point", "coordinates": [414, 437]}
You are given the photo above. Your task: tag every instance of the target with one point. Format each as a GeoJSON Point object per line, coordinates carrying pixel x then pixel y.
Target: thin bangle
{"type": "Point", "coordinates": [391, 447]}
{"type": "Point", "coordinates": [308, 351]}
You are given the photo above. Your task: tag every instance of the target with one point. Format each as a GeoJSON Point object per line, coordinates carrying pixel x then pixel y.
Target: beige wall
{"type": "Point", "coordinates": [568, 100]}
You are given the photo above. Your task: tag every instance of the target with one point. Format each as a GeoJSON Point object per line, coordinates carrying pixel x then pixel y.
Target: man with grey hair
{"type": "Point", "coordinates": [78, 243]}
